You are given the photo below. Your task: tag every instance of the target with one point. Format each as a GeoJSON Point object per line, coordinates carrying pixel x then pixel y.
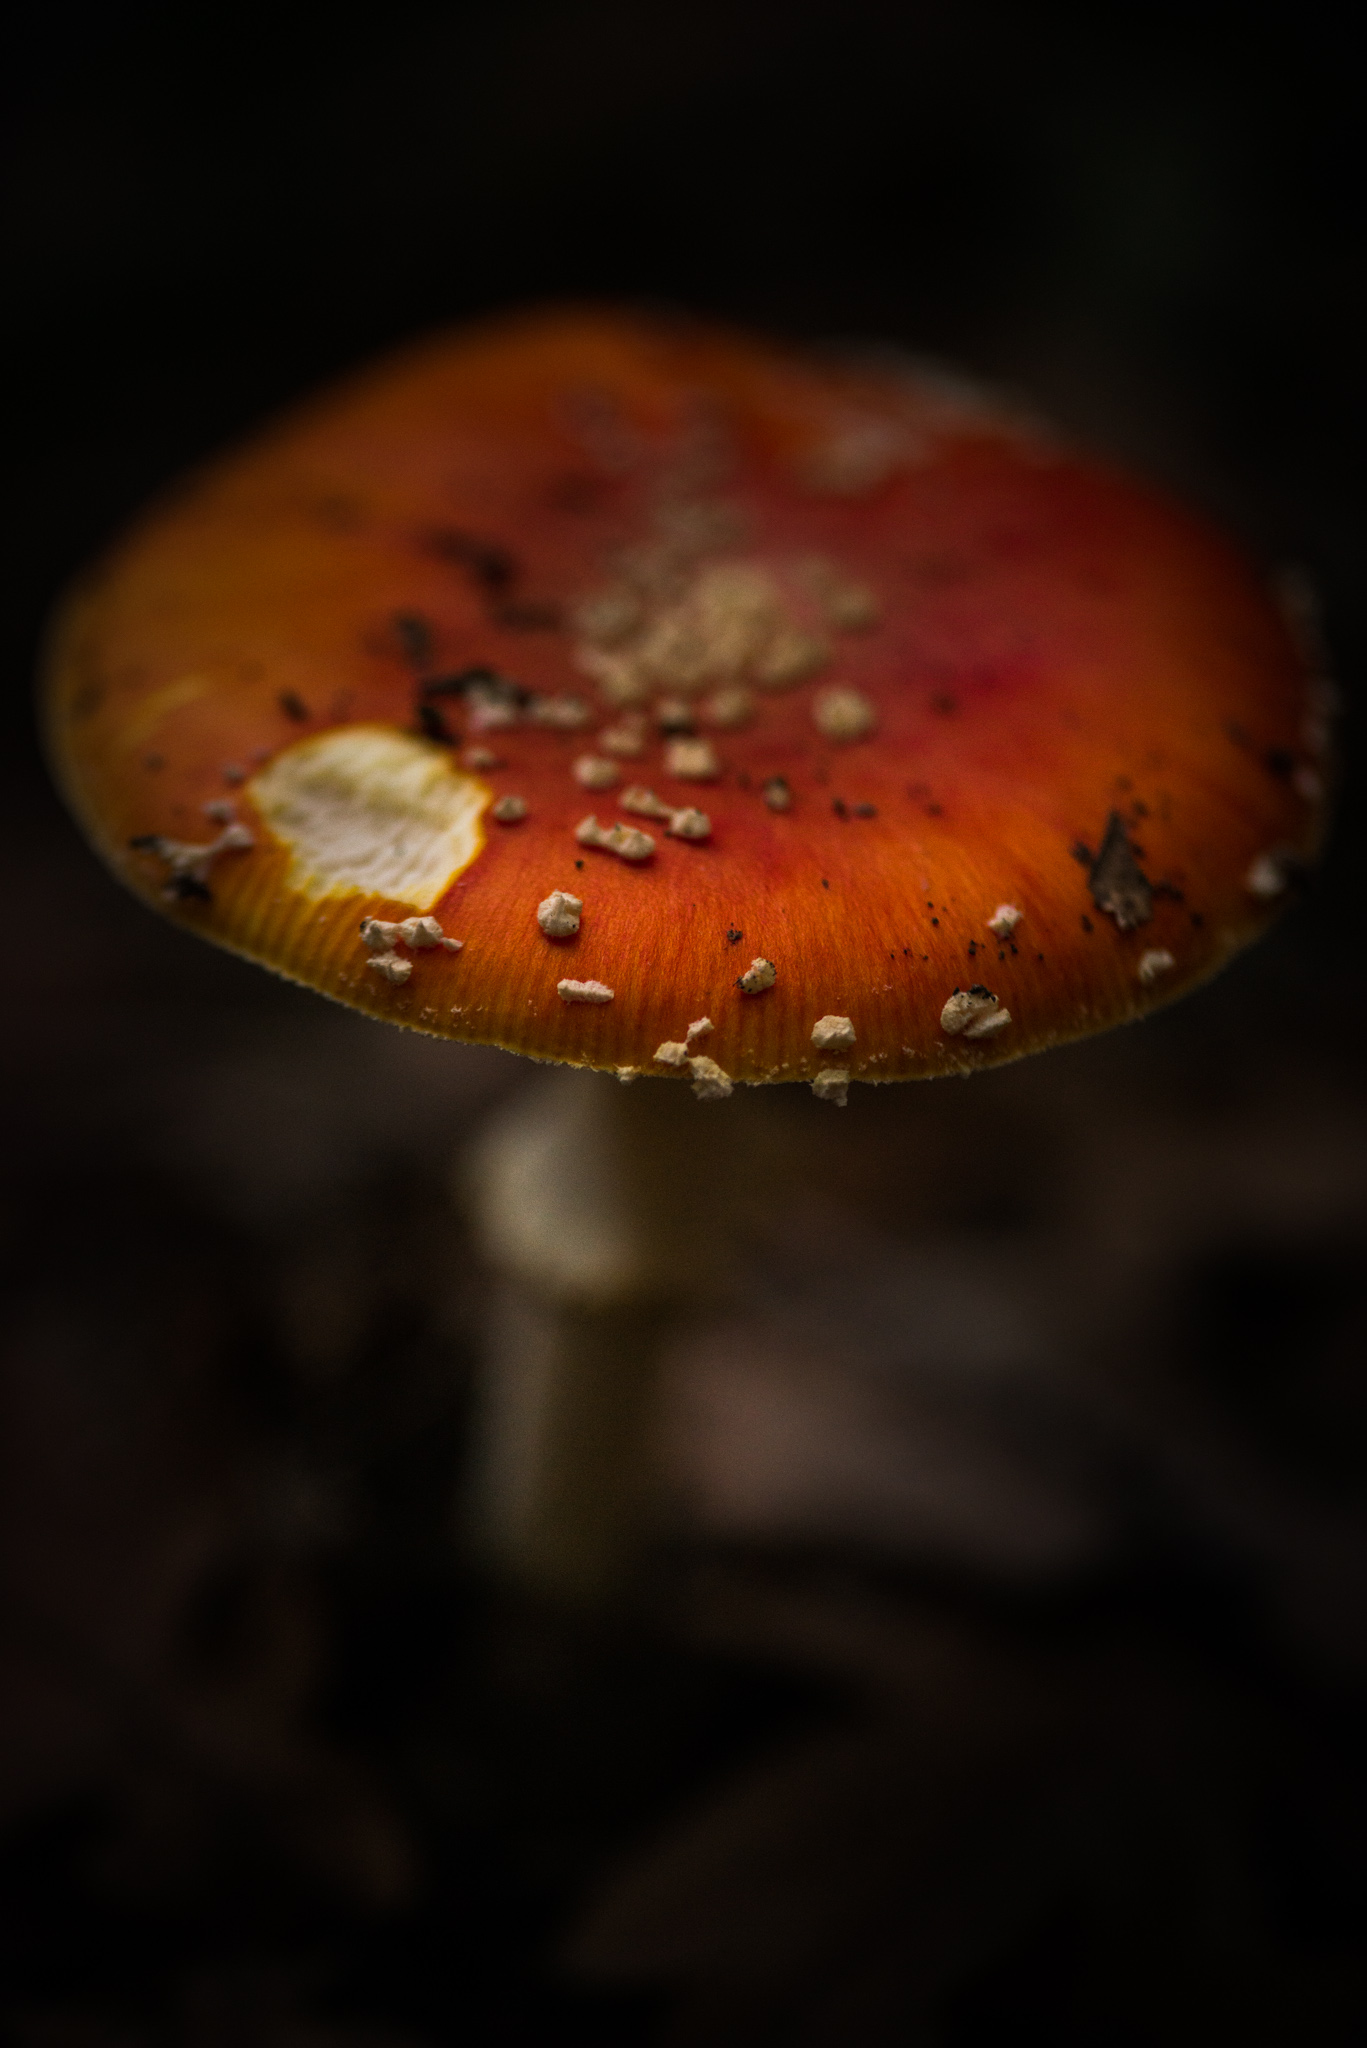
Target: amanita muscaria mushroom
{"type": "Point", "coordinates": [649, 698]}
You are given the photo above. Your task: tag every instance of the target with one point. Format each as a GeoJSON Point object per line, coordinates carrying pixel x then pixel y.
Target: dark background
{"type": "Point", "coordinates": [1022, 1695]}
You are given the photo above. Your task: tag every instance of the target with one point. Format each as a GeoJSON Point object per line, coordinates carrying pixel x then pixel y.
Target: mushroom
{"type": "Point", "coordinates": [1002, 778]}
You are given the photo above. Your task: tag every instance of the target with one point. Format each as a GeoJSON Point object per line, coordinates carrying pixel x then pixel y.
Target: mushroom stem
{"type": "Point", "coordinates": [564, 1493]}
{"type": "Point", "coordinates": [607, 1213]}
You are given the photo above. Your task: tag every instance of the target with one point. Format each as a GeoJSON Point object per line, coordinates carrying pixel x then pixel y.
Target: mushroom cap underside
{"type": "Point", "coordinates": [910, 701]}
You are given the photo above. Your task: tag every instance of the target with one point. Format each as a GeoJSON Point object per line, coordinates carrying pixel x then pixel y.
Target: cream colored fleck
{"type": "Point", "coordinates": [592, 771]}
{"type": "Point", "coordinates": [790, 658]}
{"type": "Point", "coordinates": [621, 680]}
{"type": "Point", "coordinates": [672, 1053]}
{"type": "Point", "coordinates": [777, 794]}
{"type": "Point", "coordinates": [479, 760]}
{"type": "Point", "coordinates": [623, 840]}
{"type": "Point", "coordinates": [391, 967]}
{"type": "Point", "coordinates": [1154, 964]}
{"type": "Point", "coordinates": [559, 913]}
{"type": "Point", "coordinates": [1267, 874]}
{"type": "Point", "coordinates": [689, 627]}
{"type": "Point", "coordinates": [676, 654]}
{"type": "Point", "coordinates": [626, 740]}
{"type": "Point", "coordinates": [421, 933]}
{"type": "Point", "coordinates": [232, 839]}
{"type": "Point", "coordinates": [832, 1084]}
{"type": "Point", "coordinates": [973, 1013]}
{"type": "Point", "coordinates": [583, 992]}
{"type": "Point", "coordinates": [686, 823]}
{"type": "Point", "coordinates": [692, 761]}
{"type": "Point", "coordinates": [758, 976]}
{"type": "Point", "coordinates": [673, 715]}
{"type": "Point", "coordinates": [509, 810]}
{"type": "Point", "coordinates": [725, 623]}
{"type": "Point", "coordinates": [626, 1075]}
{"type": "Point", "coordinates": [732, 595]}
{"type": "Point", "coordinates": [188, 864]}
{"type": "Point", "coordinates": [689, 824]}
{"type": "Point", "coordinates": [701, 625]}
{"type": "Point", "coordinates": [424, 932]}
{"type": "Point", "coordinates": [644, 802]}
{"type": "Point", "coordinates": [701, 1027]}
{"type": "Point", "coordinates": [1004, 920]}
{"type": "Point", "coordinates": [490, 713]}
{"type": "Point", "coordinates": [710, 1084]}
{"type": "Point", "coordinates": [366, 808]}
{"type": "Point", "coordinates": [559, 714]}
{"type": "Point", "coordinates": [832, 1034]}
{"type": "Point", "coordinates": [730, 709]}
{"type": "Point", "coordinates": [843, 714]}
{"type": "Point", "coordinates": [220, 810]}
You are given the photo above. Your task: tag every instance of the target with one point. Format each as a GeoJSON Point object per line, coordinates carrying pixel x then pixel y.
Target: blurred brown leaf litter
{"type": "Point", "coordinates": [1002, 1672]}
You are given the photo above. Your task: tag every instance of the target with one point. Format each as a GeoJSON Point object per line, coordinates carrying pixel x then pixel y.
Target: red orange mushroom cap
{"type": "Point", "coordinates": [857, 717]}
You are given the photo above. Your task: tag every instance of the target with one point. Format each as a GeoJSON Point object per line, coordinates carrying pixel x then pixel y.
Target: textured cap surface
{"type": "Point", "coordinates": [755, 658]}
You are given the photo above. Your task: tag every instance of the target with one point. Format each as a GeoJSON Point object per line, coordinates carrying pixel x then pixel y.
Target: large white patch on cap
{"type": "Point", "coordinates": [371, 809]}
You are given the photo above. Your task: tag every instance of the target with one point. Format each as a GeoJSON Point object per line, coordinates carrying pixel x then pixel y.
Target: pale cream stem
{"type": "Point", "coordinates": [608, 1213]}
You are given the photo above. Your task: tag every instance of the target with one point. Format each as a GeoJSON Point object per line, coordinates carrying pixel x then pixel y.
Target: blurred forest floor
{"type": "Point", "coordinates": [1004, 1673]}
